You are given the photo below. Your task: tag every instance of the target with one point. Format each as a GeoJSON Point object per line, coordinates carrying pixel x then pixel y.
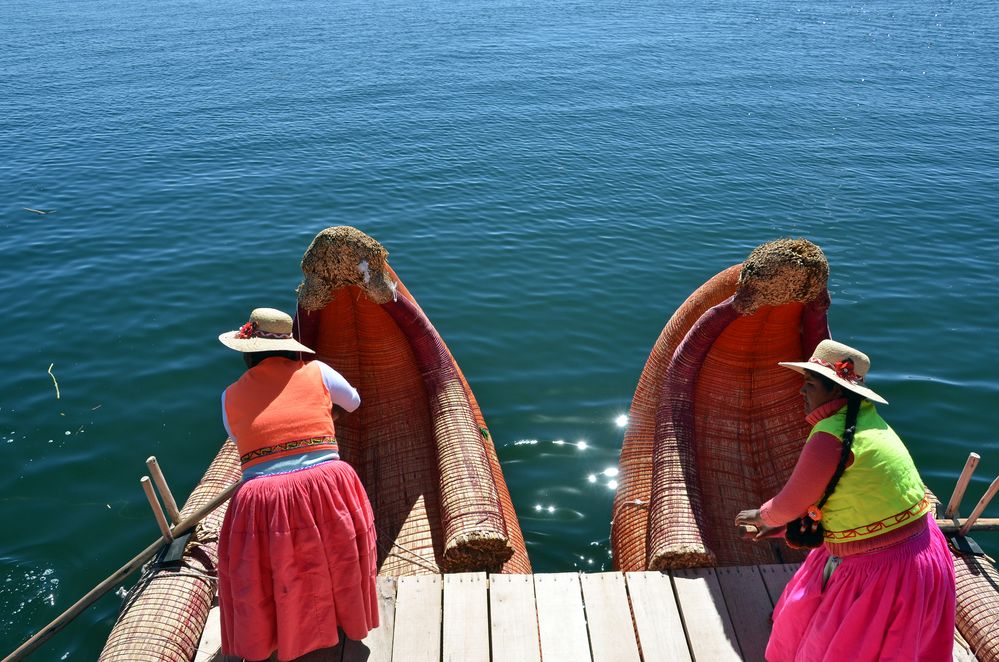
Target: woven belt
{"type": "Point", "coordinates": [890, 522]}
{"type": "Point", "coordinates": [284, 447]}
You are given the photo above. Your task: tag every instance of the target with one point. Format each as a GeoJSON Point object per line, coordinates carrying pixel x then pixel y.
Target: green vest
{"type": "Point", "coordinates": [881, 490]}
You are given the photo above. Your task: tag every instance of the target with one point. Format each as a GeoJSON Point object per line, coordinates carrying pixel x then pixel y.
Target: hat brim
{"type": "Point", "coordinates": [231, 340]}
{"type": "Point", "coordinates": [802, 367]}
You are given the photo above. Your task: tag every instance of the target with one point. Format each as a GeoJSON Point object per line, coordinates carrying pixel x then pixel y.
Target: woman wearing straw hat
{"type": "Point", "coordinates": [297, 548]}
{"type": "Point", "coordinates": [879, 581]}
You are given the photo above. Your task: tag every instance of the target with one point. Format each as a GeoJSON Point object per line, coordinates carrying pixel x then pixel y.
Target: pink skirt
{"type": "Point", "coordinates": [297, 560]}
{"type": "Point", "coordinates": [893, 604]}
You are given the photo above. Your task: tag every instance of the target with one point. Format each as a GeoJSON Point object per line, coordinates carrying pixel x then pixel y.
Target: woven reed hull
{"type": "Point", "coordinates": [978, 605]}
{"type": "Point", "coordinates": [419, 441]}
{"type": "Point", "coordinates": [715, 426]}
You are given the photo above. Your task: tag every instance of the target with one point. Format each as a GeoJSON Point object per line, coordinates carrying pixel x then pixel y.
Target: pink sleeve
{"type": "Point", "coordinates": [815, 468]}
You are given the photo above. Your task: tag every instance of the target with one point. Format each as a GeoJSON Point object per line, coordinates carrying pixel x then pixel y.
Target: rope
{"type": "Point", "coordinates": [427, 565]}
{"type": "Point", "coordinates": [635, 503]}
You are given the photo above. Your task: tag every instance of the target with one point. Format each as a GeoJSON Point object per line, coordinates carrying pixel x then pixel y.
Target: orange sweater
{"type": "Point", "coordinates": [279, 408]}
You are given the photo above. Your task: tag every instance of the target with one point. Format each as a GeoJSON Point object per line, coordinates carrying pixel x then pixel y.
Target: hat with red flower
{"type": "Point", "coordinates": [842, 364]}
{"type": "Point", "coordinates": [268, 330]}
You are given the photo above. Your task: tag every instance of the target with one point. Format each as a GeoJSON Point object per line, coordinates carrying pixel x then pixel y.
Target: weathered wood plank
{"type": "Point", "coordinates": [377, 646]}
{"type": "Point", "coordinates": [561, 623]}
{"type": "Point", "coordinates": [417, 636]}
{"type": "Point", "coordinates": [962, 652]}
{"type": "Point", "coordinates": [776, 578]}
{"type": "Point", "coordinates": [749, 607]}
{"type": "Point", "coordinates": [210, 646]}
{"type": "Point", "coordinates": [466, 618]}
{"type": "Point", "coordinates": [705, 615]}
{"type": "Point", "coordinates": [657, 618]}
{"type": "Point", "coordinates": [608, 618]}
{"type": "Point", "coordinates": [514, 619]}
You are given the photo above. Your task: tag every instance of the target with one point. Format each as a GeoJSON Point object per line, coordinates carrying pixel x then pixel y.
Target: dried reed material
{"type": "Point", "coordinates": [977, 584]}
{"type": "Point", "coordinates": [715, 424]}
{"type": "Point", "coordinates": [978, 605]}
{"type": "Point", "coordinates": [471, 514]}
{"type": "Point", "coordinates": [781, 272]}
{"type": "Point", "coordinates": [339, 257]}
{"type": "Point", "coordinates": [418, 441]}
{"type": "Point", "coordinates": [54, 382]}
{"type": "Point", "coordinates": [164, 614]}
{"type": "Point", "coordinates": [629, 528]}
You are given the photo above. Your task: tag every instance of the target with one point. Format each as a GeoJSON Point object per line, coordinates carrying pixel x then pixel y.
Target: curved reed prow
{"type": "Point", "coordinates": [715, 425]}
{"type": "Point", "coordinates": [418, 441]}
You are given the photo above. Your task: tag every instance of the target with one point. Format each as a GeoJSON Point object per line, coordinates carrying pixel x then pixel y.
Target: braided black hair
{"type": "Point", "coordinates": [805, 532]}
{"type": "Point", "coordinates": [251, 359]}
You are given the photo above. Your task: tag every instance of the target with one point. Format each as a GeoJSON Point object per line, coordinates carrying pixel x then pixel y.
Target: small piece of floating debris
{"type": "Point", "coordinates": [715, 425]}
{"type": "Point", "coordinates": [41, 212]}
{"type": "Point", "coordinates": [418, 442]}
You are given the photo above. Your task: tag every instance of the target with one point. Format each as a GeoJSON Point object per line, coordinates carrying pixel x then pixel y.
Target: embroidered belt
{"type": "Point", "coordinates": [886, 524]}
{"type": "Point", "coordinates": [285, 447]}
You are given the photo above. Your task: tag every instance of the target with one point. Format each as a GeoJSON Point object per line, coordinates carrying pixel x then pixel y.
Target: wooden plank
{"type": "Point", "coordinates": [561, 624]}
{"type": "Point", "coordinates": [417, 636]}
{"type": "Point", "coordinates": [962, 653]}
{"type": "Point", "coordinates": [749, 607]}
{"type": "Point", "coordinates": [608, 617]}
{"type": "Point", "coordinates": [210, 646]}
{"type": "Point", "coordinates": [657, 618]}
{"type": "Point", "coordinates": [377, 646]}
{"type": "Point", "coordinates": [776, 577]}
{"type": "Point", "coordinates": [466, 618]}
{"type": "Point", "coordinates": [514, 619]}
{"type": "Point", "coordinates": [705, 615]}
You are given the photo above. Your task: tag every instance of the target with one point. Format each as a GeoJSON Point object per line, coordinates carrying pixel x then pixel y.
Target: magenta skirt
{"type": "Point", "coordinates": [297, 560]}
{"type": "Point", "coordinates": [893, 604]}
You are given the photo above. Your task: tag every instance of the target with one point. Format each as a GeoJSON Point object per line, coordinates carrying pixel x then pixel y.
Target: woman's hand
{"type": "Point", "coordinates": [763, 532]}
{"type": "Point", "coordinates": [752, 518]}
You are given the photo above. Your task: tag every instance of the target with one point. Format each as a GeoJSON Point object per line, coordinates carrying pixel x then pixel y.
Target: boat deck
{"type": "Point", "coordinates": [712, 614]}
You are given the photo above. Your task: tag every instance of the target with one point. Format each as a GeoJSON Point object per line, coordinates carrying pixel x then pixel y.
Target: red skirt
{"type": "Point", "coordinates": [297, 560]}
{"type": "Point", "coordinates": [892, 604]}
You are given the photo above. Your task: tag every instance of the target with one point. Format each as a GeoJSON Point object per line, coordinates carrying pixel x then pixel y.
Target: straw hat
{"type": "Point", "coordinates": [268, 330]}
{"type": "Point", "coordinates": [840, 363]}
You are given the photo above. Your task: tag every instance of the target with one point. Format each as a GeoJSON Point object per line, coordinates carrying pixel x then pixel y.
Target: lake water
{"type": "Point", "coordinates": [552, 179]}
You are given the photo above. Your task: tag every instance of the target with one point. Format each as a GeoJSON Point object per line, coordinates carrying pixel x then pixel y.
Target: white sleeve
{"type": "Point", "coordinates": [225, 419]}
{"type": "Point", "coordinates": [341, 392]}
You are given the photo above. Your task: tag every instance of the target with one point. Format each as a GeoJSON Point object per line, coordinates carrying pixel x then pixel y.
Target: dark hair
{"type": "Point", "coordinates": [804, 532]}
{"type": "Point", "coordinates": [253, 358]}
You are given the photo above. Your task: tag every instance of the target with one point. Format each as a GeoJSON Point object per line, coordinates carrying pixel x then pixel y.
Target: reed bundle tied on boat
{"type": "Point", "coordinates": [164, 613]}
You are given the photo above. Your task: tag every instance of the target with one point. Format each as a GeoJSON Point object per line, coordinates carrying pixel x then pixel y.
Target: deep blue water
{"type": "Point", "coordinates": [552, 180]}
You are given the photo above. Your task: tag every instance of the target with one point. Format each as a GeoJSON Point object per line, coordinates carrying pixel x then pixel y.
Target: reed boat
{"type": "Point", "coordinates": [419, 443]}
{"type": "Point", "coordinates": [715, 426]}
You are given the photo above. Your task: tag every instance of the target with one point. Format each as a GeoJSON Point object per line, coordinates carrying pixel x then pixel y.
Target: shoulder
{"type": "Point", "coordinates": [831, 426]}
{"type": "Point", "coordinates": [324, 368]}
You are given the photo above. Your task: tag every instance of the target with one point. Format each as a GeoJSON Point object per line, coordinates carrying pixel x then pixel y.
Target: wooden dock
{"type": "Point", "coordinates": [715, 614]}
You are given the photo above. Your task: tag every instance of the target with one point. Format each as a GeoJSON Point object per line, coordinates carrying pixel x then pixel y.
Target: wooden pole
{"type": "Point", "coordinates": [117, 577]}
{"type": "Point", "coordinates": [161, 485]}
{"type": "Point", "coordinates": [962, 485]}
{"type": "Point", "coordinates": [147, 487]}
{"type": "Point", "coordinates": [982, 503]}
